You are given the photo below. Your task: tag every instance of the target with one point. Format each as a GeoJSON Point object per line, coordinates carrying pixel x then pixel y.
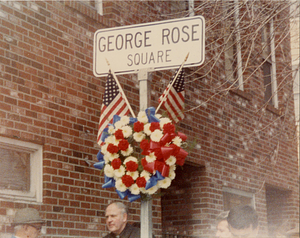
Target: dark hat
{"type": "Point", "coordinates": [27, 216]}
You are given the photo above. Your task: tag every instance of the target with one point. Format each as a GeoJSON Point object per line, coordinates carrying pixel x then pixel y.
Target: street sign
{"type": "Point", "coordinates": [157, 45]}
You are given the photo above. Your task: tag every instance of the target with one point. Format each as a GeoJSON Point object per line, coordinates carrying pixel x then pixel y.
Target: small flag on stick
{"type": "Point", "coordinates": [113, 103]}
{"type": "Point", "coordinates": [173, 97]}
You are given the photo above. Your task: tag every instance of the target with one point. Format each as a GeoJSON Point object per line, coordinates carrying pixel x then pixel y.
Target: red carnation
{"type": "Point", "coordinates": [169, 128]}
{"type": "Point", "coordinates": [112, 149]}
{"type": "Point", "coordinates": [138, 126]}
{"type": "Point", "coordinates": [123, 145]}
{"type": "Point", "coordinates": [127, 180]}
{"type": "Point", "coordinates": [154, 126]}
{"type": "Point", "coordinates": [144, 144]}
{"type": "Point", "coordinates": [141, 182]}
{"type": "Point", "coordinates": [119, 134]}
{"type": "Point", "coordinates": [116, 163]}
{"type": "Point", "coordinates": [131, 166]}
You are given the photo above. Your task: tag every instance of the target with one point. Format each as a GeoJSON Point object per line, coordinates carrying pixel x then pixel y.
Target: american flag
{"type": "Point", "coordinates": [174, 101]}
{"type": "Point", "coordinates": [113, 104]}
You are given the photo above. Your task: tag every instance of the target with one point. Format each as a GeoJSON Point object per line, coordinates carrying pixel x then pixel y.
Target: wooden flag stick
{"type": "Point", "coordinates": [164, 98]}
{"type": "Point", "coordinates": [121, 90]}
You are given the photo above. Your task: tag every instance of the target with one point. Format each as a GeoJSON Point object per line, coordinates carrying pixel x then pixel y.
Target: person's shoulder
{"type": "Point", "coordinates": [108, 236]}
{"type": "Point", "coordinates": [133, 230]}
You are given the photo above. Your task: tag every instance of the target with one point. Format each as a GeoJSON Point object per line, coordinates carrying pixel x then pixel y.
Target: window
{"type": "Point", "coordinates": [20, 170]}
{"type": "Point", "coordinates": [233, 57]}
{"type": "Point", "coordinates": [277, 208]}
{"type": "Point", "coordinates": [87, 7]}
{"type": "Point", "coordinates": [269, 64]}
{"type": "Point", "coordinates": [233, 197]}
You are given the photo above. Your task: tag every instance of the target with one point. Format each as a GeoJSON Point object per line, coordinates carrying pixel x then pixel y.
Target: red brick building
{"type": "Point", "coordinates": [239, 114]}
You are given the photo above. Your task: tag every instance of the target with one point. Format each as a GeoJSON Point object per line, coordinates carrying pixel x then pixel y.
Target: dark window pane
{"type": "Point", "coordinates": [232, 200]}
{"type": "Point", "coordinates": [267, 81]}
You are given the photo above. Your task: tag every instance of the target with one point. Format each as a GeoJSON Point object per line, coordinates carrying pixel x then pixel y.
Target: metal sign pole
{"type": "Point", "coordinates": [146, 206]}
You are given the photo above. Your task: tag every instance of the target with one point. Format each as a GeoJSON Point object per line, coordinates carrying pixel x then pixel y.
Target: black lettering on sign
{"type": "Point", "coordinates": [148, 58]}
{"type": "Point", "coordinates": [119, 42]}
{"type": "Point", "coordinates": [109, 43]}
{"type": "Point", "coordinates": [193, 32]}
{"type": "Point", "coordinates": [176, 34]}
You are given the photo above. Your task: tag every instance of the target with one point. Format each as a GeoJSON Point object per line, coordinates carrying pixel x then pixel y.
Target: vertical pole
{"type": "Point", "coordinates": [191, 8]}
{"type": "Point", "coordinates": [146, 206]}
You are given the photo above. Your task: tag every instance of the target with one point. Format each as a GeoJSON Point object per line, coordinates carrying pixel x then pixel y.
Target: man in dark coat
{"type": "Point", "coordinates": [243, 222]}
{"type": "Point", "coordinates": [116, 220]}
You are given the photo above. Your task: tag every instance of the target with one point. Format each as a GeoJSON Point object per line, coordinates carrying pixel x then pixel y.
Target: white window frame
{"type": "Point", "coordinates": [229, 52]}
{"type": "Point", "coordinates": [35, 193]}
{"type": "Point", "coordinates": [272, 60]}
{"type": "Point", "coordinates": [98, 5]}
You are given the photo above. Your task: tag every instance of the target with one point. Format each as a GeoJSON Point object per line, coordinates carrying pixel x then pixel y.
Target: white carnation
{"type": "Point", "coordinates": [152, 190]}
{"type": "Point", "coordinates": [147, 129]}
{"type": "Point", "coordinates": [165, 183]}
{"type": "Point", "coordinates": [171, 160]}
{"type": "Point", "coordinates": [125, 120]}
{"type": "Point", "coordinates": [111, 140]}
{"type": "Point", "coordinates": [111, 130]}
{"type": "Point", "coordinates": [156, 135]}
{"type": "Point", "coordinates": [177, 141]}
{"type": "Point", "coordinates": [134, 174]}
{"type": "Point", "coordinates": [151, 157]}
{"type": "Point", "coordinates": [130, 158]}
{"type": "Point", "coordinates": [134, 189]}
{"type": "Point", "coordinates": [138, 136]}
{"type": "Point", "coordinates": [120, 185]}
{"type": "Point", "coordinates": [145, 174]}
{"type": "Point", "coordinates": [110, 157]}
{"type": "Point", "coordinates": [118, 125]}
{"type": "Point", "coordinates": [158, 116]}
{"type": "Point", "coordinates": [128, 151]}
{"type": "Point", "coordinates": [120, 171]}
{"type": "Point", "coordinates": [104, 148]}
{"type": "Point", "coordinates": [142, 117]}
{"type": "Point", "coordinates": [127, 131]}
{"type": "Point", "coordinates": [164, 121]}
{"type": "Point", "coordinates": [108, 170]}
{"type": "Point", "coordinates": [172, 174]}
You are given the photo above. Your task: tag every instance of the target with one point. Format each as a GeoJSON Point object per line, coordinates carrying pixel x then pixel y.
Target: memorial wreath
{"type": "Point", "coordinates": [140, 155]}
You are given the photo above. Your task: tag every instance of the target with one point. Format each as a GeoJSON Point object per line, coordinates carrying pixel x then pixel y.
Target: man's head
{"type": "Point", "coordinates": [27, 223]}
{"type": "Point", "coordinates": [243, 222]}
{"type": "Point", "coordinates": [222, 225]}
{"type": "Point", "coordinates": [116, 217]}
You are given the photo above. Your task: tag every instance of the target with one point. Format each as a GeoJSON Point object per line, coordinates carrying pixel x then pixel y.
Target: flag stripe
{"type": "Point", "coordinates": [174, 100]}
{"type": "Point", "coordinates": [107, 113]}
{"type": "Point", "coordinates": [173, 106]}
{"type": "Point", "coordinates": [174, 110]}
{"type": "Point", "coordinates": [117, 107]}
{"type": "Point", "coordinates": [113, 104]}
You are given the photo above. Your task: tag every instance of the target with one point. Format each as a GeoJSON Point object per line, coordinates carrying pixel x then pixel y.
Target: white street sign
{"type": "Point", "coordinates": [157, 45]}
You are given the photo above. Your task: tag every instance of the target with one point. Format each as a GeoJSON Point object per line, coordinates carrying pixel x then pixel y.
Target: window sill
{"type": "Point", "coordinates": [241, 93]}
{"type": "Point", "coordinates": [274, 110]}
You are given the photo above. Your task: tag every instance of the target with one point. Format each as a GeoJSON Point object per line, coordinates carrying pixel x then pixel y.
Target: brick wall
{"type": "Point", "coordinates": [49, 96]}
